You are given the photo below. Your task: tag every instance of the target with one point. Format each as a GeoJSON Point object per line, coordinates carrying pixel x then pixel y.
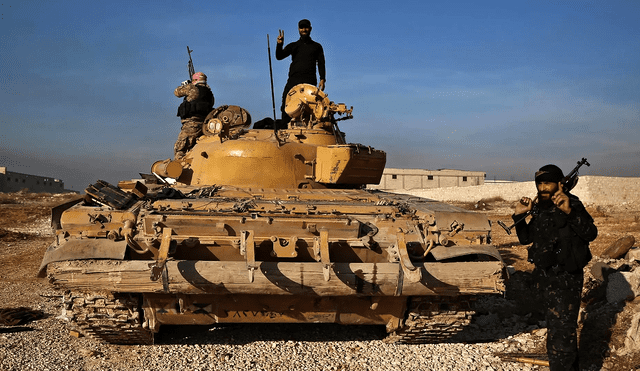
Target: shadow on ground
{"type": "Point", "coordinates": [240, 334]}
{"type": "Point", "coordinates": [496, 318]}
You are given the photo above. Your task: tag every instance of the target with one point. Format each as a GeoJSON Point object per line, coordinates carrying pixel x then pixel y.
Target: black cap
{"type": "Point", "coordinates": [304, 23]}
{"type": "Point", "coordinates": [549, 173]}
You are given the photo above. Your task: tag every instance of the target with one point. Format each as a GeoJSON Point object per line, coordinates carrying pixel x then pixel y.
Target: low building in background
{"type": "Point", "coordinates": [13, 182]}
{"type": "Point", "coordinates": [407, 179]}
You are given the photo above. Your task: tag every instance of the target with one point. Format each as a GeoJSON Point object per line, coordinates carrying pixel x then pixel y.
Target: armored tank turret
{"type": "Point", "coordinates": [267, 225]}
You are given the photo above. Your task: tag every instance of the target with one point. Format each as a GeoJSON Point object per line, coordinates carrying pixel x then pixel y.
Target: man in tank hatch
{"type": "Point", "coordinates": [305, 55]}
{"type": "Point", "coordinates": [198, 102]}
{"type": "Point", "coordinates": [560, 231]}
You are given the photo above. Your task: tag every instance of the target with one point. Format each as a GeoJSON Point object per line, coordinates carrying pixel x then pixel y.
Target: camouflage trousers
{"type": "Point", "coordinates": [191, 130]}
{"type": "Point", "coordinates": [561, 293]}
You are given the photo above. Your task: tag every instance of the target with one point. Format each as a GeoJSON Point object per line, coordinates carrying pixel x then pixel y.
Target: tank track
{"type": "Point", "coordinates": [114, 319]}
{"type": "Point", "coordinates": [432, 320]}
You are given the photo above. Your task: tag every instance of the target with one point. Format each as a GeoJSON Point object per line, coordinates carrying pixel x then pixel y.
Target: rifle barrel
{"type": "Point", "coordinates": [190, 67]}
{"type": "Point", "coordinates": [571, 179]}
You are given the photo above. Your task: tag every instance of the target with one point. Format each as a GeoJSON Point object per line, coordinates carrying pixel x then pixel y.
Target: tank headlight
{"type": "Point", "coordinates": [215, 126]}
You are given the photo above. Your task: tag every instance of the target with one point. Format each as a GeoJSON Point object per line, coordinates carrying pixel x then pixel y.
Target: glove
{"type": "Point", "coordinates": [187, 82]}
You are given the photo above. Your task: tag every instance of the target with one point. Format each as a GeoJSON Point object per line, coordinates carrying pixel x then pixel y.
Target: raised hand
{"type": "Point", "coordinates": [561, 200]}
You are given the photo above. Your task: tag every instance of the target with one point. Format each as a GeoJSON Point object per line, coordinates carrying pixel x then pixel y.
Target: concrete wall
{"type": "Point", "coordinates": [408, 179]}
{"type": "Point", "coordinates": [14, 182]}
{"type": "Point", "coordinates": [595, 190]}
{"type": "Point", "coordinates": [608, 190]}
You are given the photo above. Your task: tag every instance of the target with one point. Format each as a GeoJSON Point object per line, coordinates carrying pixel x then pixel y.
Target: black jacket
{"type": "Point", "coordinates": [305, 55]}
{"type": "Point", "coordinates": [558, 239]}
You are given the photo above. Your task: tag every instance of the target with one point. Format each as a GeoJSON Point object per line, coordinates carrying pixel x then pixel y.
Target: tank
{"type": "Point", "coordinates": [269, 225]}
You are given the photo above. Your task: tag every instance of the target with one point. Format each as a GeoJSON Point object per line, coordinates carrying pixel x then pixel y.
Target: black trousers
{"type": "Point", "coordinates": [561, 292]}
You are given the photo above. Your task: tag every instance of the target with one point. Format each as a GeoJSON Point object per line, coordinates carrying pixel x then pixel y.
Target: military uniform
{"type": "Point", "coordinates": [559, 250]}
{"type": "Point", "coordinates": [198, 102]}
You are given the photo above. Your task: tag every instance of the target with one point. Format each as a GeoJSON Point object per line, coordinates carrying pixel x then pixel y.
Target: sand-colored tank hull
{"type": "Point", "coordinates": [279, 255]}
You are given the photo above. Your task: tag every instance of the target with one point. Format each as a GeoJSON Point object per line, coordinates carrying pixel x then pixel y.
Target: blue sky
{"type": "Point", "coordinates": [86, 88]}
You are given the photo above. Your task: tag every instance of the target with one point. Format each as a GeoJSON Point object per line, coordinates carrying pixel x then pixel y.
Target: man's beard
{"type": "Point", "coordinates": [544, 199]}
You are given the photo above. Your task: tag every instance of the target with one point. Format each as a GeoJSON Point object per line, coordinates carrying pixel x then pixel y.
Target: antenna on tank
{"type": "Point", "coordinates": [273, 99]}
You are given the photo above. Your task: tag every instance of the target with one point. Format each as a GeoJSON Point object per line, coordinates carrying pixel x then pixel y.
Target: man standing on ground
{"type": "Point", "coordinates": [560, 230]}
{"type": "Point", "coordinates": [198, 102]}
{"type": "Point", "coordinates": [305, 55]}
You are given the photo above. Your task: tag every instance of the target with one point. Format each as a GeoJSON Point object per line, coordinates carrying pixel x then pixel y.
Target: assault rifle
{"type": "Point", "coordinates": [190, 66]}
{"type": "Point", "coordinates": [568, 182]}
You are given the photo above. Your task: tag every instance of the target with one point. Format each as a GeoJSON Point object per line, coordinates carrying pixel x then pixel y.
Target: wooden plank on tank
{"type": "Point", "coordinates": [277, 278]}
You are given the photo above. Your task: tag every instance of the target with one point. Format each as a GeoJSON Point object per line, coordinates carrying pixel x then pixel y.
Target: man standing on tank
{"type": "Point", "coordinates": [560, 231]}
{"type": "Point", "coordinates": [198, 102]}
{"type": "Point", "coordinates": [305, 55]}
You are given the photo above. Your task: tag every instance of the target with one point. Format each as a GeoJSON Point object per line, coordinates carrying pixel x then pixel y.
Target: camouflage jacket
{"type": "Point", "coordinates": [558, 239]}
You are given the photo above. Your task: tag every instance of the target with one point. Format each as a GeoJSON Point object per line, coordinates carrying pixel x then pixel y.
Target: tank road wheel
{"type": "Point", "coordinates": [432, 320]}
{"type": "Point", "coordinates": [116, 319]}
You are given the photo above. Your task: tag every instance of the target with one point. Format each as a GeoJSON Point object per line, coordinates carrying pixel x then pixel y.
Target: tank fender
{"type": "Point", "coordinates": [57, 211]}
{"type": "Point", "coordinates": [443, 253]}
{"type": "Point", "coordinates": [78, 249]}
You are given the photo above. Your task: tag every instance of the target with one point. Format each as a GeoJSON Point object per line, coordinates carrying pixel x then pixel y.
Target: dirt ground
{"type": "Point", "coordinates": [25, 234]}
